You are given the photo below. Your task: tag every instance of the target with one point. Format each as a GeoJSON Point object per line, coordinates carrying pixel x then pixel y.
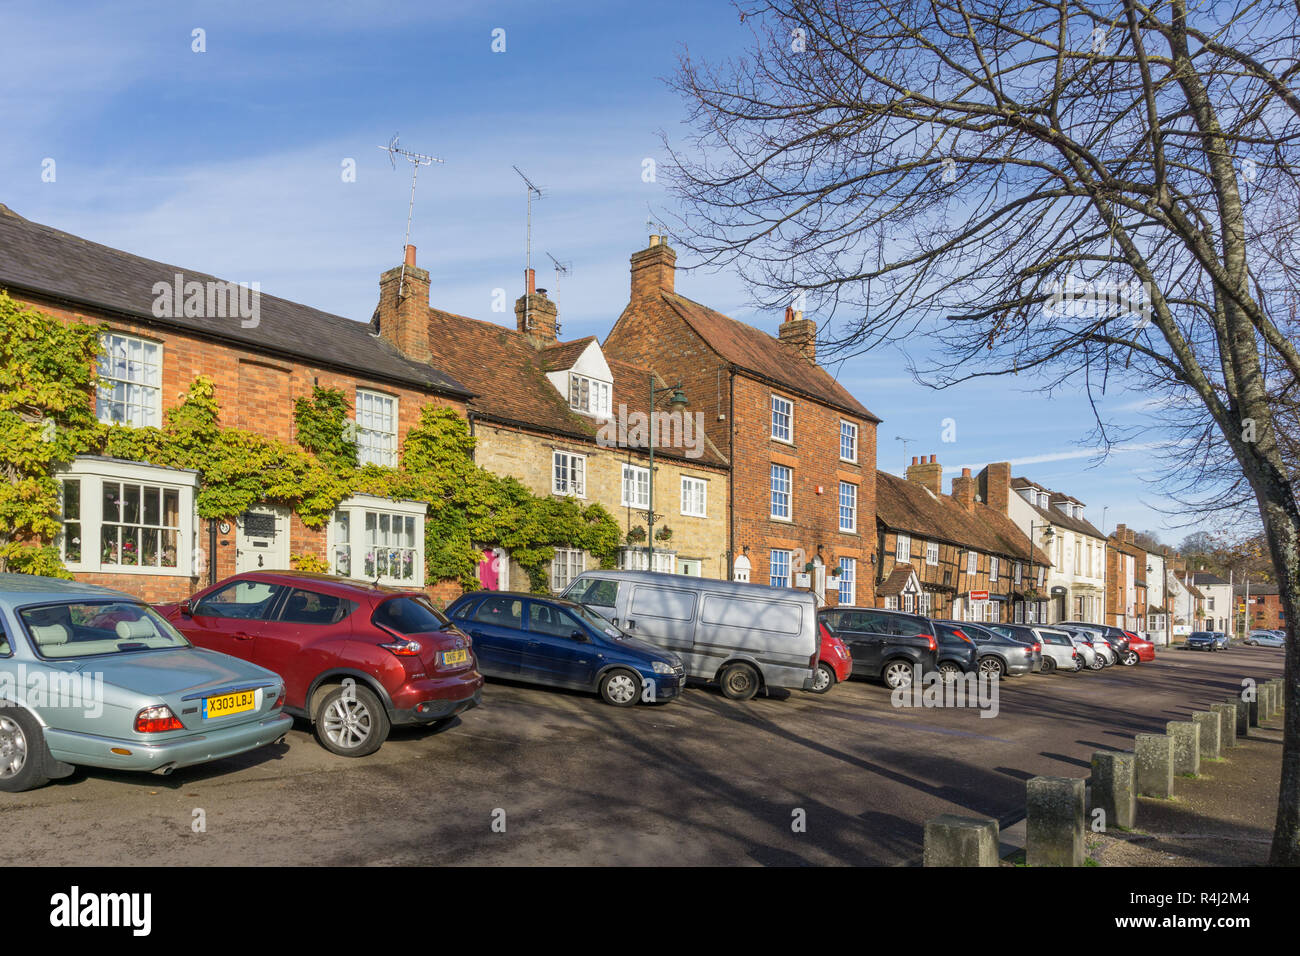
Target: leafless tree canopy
{"type": "Point", "coordinates": [1079, 191]}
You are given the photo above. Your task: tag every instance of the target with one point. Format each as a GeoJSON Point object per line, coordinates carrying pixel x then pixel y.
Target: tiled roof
{"type": "Point", "coordinates": [1208, 579]}
{"type": "Point", "coordinates": [897, 580]}
{"type": "Point", "coordinates": [1079, 525]}
{"type": "Point", "coordinates": [508, 377]}
{"type": "Point", "coordinates": [753, 350]}
{"type": "Point", "coordinates": [908, 506]}
{"type": "Point", "coordinates": [46, 262]}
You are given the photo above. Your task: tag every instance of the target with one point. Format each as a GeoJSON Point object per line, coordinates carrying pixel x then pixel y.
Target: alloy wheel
{"type": "Point", "coordinates": [13, 748]}
{"type": "Point", "coordinates": [348, 722]}
{"type": "Point", "coordinates": [897, 674]}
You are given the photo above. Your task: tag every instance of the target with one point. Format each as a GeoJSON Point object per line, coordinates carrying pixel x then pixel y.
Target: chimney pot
{"type": "Point", "coordinates": [530, 281]}
{"type": "Point", "coordinates": [965, 472]}
{"type": "Point", "coordinates": [410, 255]}
{"type": "Point", "coordinates": [914, 459]}
{"type": "Point", "coordinates": [932, 457]}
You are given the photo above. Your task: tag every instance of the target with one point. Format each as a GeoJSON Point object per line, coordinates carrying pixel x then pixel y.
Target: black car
{"type": "Point", "coordinates": [957, 652]}
{"type": "Point", "coordinates": [885, 645]}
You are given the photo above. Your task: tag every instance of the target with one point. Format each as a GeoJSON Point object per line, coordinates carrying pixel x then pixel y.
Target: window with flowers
{"type": "Point", "coordinates": [127, 516]}
{"type": "Point", "coordinates": [377, 539]}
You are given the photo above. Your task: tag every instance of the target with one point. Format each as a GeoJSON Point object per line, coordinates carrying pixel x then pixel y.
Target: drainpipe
{"type": "Point", "coordinates": [212, 552]}
{"type": "Point", "coordinates": [731, 482]}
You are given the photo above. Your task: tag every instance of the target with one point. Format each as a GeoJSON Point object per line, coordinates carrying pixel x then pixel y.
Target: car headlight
{"type": "Point", "coordinates": [660, 667]}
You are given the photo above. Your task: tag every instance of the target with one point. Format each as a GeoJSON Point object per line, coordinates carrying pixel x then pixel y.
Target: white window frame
{"type": "Point", "coordinates": [92, 474]}
{"type": "Point", "coordinates": [147, 411]}
{"type": "Point", "coordinates": [903, 549]}
{"type": "Point", "coordinates": [376, 444]}
{"type": "Point", "coordinates": [932, 553]}
{"type": "Point", "coordinates": [849, 509]}
{"type": "Point", "coordinates": [348, 558]}
{"type": "Point", "coordinates": [891, 603]}
{"type": "Point", "coordinates": [636, 486]}
{"type": "Point", "coordinates": [693, 489]}
{"type": "Point", "coordinates": [849, 431]}
{"type": "Point", "coordinates": [1018, 573]}
{"type": "Point", "coordinates": [926, 603]}
{"type": "Point", "coordinates": [575, 478]}
{"type": "Point", "coordinates": [634, 559]}
{"type": "Point", "coordinates": [788, 413]}
{"type": "Point", "coordinates": [972, 562]}
{"type": "Point", "coordinates": [775, 579]}
{"type": "Point", "coordinates": [782, 475]}
{"type": "Point", "coordinates": [563, 569]}
{"type": "Point", "coordinates": [993, 567]}
{"type": "Point", "coordinates": [847, 585]}
{"type": "Point", "coordinates": [599, 393]}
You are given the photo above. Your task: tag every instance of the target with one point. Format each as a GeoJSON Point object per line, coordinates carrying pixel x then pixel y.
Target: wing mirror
{"type": "Point", "coordinates": [579, 637]}
{"type": "Point", "coordinates": [187, 610]}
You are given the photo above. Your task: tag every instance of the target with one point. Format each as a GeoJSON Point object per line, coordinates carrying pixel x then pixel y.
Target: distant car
{"type": "Point", "coordinates": [1139, 649]}
{"type": "Point", "coordinates": [119, 688]}
{"type": "Point", "coordinates": [1002, 653]}
{"type": "Point", "coordinates": [834, 664]}
{"type": "Point", "coordinates": [1201, 641]}
{"type": "Point", "coordinates": [550, 641]}
{"type": "Point", "coordinates": [1221, 640]}
{"type": "Point", "coordinates": [1059, 652]}
{"type": "Point", "coordinates": [356, 658]}
{"type": "Point", "coordinates": [957, 651]}
{"type": "Point", "coordinates": [1265, 639]}
{"type": "Point", "coordinates": [1092, 660]}
{"type": "Point", "coordinates": [885, 645]}
{"type": "Point", "coordinates": [1121, 642]}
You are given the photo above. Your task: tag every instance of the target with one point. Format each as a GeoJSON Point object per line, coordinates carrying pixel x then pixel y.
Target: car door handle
{"type": "Point", "coordinates": [241, 636]}
{"type": "Point", "coordinates": [630, 624]}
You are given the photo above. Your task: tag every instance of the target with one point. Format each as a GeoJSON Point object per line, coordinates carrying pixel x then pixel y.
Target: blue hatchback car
{"type": "Point", "coordinates": [543, 640]}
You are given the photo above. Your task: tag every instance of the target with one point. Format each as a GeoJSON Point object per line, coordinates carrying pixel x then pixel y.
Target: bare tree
{"type": "Point", "coordinates": [1101, 193]}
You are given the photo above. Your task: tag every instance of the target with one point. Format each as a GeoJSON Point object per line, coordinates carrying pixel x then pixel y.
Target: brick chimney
{"type": "Point", "coordinates": [1118, 533]}
{"type": "Point", "coordinates": [404, 320]}
{"type": "Point", "coordinates": [653, 269]}
{"type": "Point", "coordinates": [994, 485]}
{"type": "Point", "coordinates": [963, 489]}
{"type": "Point", "coordinates": [535, 314]}
{"type": "Point", "coordinates": [800, 333]}
{"type": "Point", "coordinates": [927, 472]}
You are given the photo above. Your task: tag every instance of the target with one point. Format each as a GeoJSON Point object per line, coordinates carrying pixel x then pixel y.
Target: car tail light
{"type": "Point", "coordinates": [1036, 647]}
{"type": "Point", "coordinates": [963, 637]}
{"type": "Point", "coordinates": [929, 637]}
{"type": "Point", "coordinates": [156, 720]}
{"type": "Point", "coordinates": [403, 648]}
{"type": "Point", "coordinates": [279, 700]}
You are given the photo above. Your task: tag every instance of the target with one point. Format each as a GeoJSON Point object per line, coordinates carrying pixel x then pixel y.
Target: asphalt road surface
{"type": "Point", "coordinates": [536, 776]}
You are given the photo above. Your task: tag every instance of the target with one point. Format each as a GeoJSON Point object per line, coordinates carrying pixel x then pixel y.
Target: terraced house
{"type": "Point", "coordinates": [134, 526]}
{"type": "Point", "coordinates": [567, 420]}
{"type": "Point", "coordinates": [950, 556]}
{"type": "Point", "coordinates": [801, 450]}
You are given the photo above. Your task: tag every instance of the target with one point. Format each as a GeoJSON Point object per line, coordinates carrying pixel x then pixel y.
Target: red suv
{"type": "Point", "coordinates": [355, 658]}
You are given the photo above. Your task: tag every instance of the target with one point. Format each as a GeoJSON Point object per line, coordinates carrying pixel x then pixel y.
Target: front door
{"type": "Point", "coordinates": [262, 539]}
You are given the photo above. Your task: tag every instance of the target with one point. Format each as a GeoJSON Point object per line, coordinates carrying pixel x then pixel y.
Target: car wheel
{"type": "Point", "coordinates": [993, 668]}
{"type": "Point", "coordinates": [897, 673]}
{"type": "Point", "coordinates": [622, 688]}
{"type": "Point", "coordinates": [1130, 658]}
{"type": "Point", "coordinates": [949, 671]}
{"type": "Point", "coordinates": [823, 679]}
{"type": "Point", "coordinates": [739, 681]}
{"type": "Point", "coordinates": [1078, 665]}
{"type": "Point", "coordinates": [22, 752]}
{"type": "Point", "coordinates": [351, 721]}
{"type": "Point", "coordinates": [1049, 665]}
{"type": "Point", "coordinates": [1098, 662]}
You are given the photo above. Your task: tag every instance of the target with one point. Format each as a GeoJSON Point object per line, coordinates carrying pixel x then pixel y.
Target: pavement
{"type": "Point", "coordinates": [537, 776]}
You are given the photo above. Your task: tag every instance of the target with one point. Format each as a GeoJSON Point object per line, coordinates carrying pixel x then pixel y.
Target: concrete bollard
{"type": "Point", "coordinates": [1227, 724]}
{"type": "Point", "coordinates": [1112, 787]}
{"type": "Point", "coordinates": [1154, 765]}
{"type": "Point", "coordinates": [1054, 821]}
{"type": "Point", "coordinates": [1266, 700]}
{"type": "Point", "coordinates": [951, 840]}
{"type": "Point", "coordinates": [1210, 724]}
{"type": "Point", "coordinates": [1186, 735]}
{"type": "Point", "coordinates": [1255, 708]}
{"type": "Point", "coordinates": [1243, 716]}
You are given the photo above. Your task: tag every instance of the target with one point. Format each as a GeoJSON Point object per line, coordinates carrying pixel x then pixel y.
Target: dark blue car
{"type": "Point", "coordinates": [543, 640]}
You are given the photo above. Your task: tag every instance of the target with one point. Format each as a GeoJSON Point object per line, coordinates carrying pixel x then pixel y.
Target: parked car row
{"type": "Point", "coordinates": [1264, 637]}
{"type": "Point", "coordinates": [227, 670]}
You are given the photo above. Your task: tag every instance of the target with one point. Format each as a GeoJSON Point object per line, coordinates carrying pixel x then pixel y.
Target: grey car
{"type": "Point", "coordinates": [1005, 650]}
{"type": "Point", "coordinates": [1265, 639]}
{"type": "Point", "coordinates": [1059, 651]}
{"type": "Point", "coordinates": [91, 676]}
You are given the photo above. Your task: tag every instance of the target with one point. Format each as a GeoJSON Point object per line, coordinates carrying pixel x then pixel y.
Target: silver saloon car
{"type": "Point", "coordinates": [91, 676]}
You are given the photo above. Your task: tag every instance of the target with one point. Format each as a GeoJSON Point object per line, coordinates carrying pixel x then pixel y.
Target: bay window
{"type": "Point", "coordinates": [379, 539]}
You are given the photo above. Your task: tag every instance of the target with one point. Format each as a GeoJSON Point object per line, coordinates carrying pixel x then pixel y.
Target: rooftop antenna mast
{"type": "Point", "coordinates": [533, 191]}
{"type": "Point", "coordinates": [561, 269]}
{"type": "Point", "coordinates": [416, 160]}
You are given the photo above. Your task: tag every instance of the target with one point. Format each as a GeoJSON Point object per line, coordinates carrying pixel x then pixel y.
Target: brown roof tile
{"type": "Point", "coordinates": [903, 505]}
{"type": "Point", "coordinates": [764, 355]}
{"type": "Point", "coordinates": [897, 580]}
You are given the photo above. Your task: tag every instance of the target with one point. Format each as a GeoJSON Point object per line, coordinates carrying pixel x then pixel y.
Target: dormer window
{"type": "Point", "coordinates": [588, 395]}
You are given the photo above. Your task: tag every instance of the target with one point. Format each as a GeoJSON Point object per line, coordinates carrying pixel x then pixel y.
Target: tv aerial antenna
{"type": "Point", "coordinates": [561, 269]}
{"type": "Point", "coordinates": [416, 160]}
{"type": "Point", "coordinates": [534, 192]}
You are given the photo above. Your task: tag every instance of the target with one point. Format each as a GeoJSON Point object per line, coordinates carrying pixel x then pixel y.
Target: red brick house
{"type": "Point", "coordinates": [950, 556]}
{"type": "Point", "coordinates": [802, 450]}
{"type": "Point", "coordinates": [1262, 607]}
{"type": "Point", "coordinates": [1126, 580]}
{"type": "Point", "coordinates": [134, 526]}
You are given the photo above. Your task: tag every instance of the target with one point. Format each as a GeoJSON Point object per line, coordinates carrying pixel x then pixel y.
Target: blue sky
{"type": "Point", "coordinates": [229, 161]}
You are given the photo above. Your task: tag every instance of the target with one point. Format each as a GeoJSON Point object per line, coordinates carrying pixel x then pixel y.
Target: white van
{"type": "Point", "coordinates": [747, 637]}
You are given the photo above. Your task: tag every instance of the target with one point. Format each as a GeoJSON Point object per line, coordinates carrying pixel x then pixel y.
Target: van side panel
{"type": "Point", "coordinates": [661, 615]}
{"type": "Point", "coordinates": [775, 634]}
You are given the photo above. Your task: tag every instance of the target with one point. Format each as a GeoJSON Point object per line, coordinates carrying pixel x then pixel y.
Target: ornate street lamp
{"type": "Point", "coordinates": [677, 403]}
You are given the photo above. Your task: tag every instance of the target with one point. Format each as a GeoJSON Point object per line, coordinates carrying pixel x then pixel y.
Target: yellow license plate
{"type": "Point", "coordinates": [228, 704]}
{"type": "Point", "coordinates": [455, 657]}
